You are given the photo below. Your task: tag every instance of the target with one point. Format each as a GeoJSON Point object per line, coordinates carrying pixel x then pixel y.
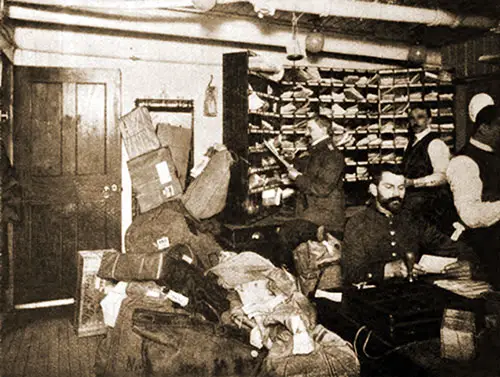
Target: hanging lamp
{"type": "Point", "coordinates": [294, 51]}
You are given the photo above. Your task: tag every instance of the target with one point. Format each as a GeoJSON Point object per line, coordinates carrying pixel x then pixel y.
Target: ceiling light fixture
{"type": "Point", "coordinates": [294, 51]}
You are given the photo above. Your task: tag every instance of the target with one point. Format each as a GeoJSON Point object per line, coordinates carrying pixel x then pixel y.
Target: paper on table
{"type": "Point", "coordinates": [434, 264]}
{"type": "Point", "coordinates": [467, 288]}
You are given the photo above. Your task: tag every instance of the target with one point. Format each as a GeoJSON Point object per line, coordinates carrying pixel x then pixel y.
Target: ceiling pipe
{"type": "Point", "coordinates": [334, 8]}
{"type": "Point", "coordinates": [203, 5]}
{"type": "Point", "coordinates": [217, 28]}
{"type": "Point", "coordinates": [373, 11]}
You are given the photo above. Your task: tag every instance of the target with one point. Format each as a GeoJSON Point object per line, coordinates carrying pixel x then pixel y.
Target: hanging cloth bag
{"type": "Point", "coordinates": [206, 195]}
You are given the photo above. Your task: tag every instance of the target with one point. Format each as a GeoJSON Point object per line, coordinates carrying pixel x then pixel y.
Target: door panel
{"type": "Point", "coordinates": [67, 151]}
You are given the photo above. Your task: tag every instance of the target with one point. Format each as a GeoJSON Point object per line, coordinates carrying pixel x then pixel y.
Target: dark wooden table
{"type": "Point", "coordinates": [412, 358]}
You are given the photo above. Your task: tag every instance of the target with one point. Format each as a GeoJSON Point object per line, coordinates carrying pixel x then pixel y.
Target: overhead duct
{"type": "Point", "coordinates": [218, 28]}
{"type": "Point", "coordinates": [373, 11]}
{"type": "Point", "coordinates": [325, 8]}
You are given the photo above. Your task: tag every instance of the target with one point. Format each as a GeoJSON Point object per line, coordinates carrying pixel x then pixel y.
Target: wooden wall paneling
{"type": "Point", "coordinates": [92, 220]}
{"type": "Point", "coordinates": [484, 69]}
{"type": "Point", "coordinates": [68, 247]}
{"type": "Point", "coordinates": [463, 57]}
{"type": "Point", "coordinates": [91, 116]}
{"type": "Point", "coordinates": [112, 212]}
{"type": "Point", "coordinates": [46, 133]}
{"type": "Point", "coordinates": [69, 127]}
{"type": "Point", "coordinates": [494, 48]}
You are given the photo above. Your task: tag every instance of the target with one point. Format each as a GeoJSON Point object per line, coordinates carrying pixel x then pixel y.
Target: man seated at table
{"type": "Point", "coordinates": [377, 240]}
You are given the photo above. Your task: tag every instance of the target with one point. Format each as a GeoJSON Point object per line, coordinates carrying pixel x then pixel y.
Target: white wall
{"type": "Point", "coordinates": [150, 68]}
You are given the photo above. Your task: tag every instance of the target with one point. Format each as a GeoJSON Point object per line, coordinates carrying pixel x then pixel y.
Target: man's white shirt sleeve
{"type": "Point", "coordinates": [467, 187]}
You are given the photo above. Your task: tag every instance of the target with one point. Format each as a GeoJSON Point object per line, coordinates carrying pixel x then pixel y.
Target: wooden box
{"type": "Point", "coordinates": [88, 319]}
{"type": "Point", "coordinates": [154, 179]}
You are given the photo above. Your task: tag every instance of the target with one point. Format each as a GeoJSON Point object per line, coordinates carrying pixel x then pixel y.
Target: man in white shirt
{"type": "Point", "coordinates": [424, 165]}
{"type": "Point", "coordinates": [474, 177]}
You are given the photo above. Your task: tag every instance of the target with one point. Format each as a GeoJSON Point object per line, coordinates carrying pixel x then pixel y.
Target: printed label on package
{"type": "Point", "coordinates": [162, 243]}
{"type": "Point", "coordinates": [169, 191]}
{"type": "Point", "coordinates": [163, 172]}
{"type": "Point", "coordinates": [177, 298]}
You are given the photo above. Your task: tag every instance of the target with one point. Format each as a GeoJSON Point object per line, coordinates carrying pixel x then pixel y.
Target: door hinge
{"type": "Point", "coordinates": [4, 116]}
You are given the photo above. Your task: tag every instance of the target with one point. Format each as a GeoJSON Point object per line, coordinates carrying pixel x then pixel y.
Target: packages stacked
{"type": "Point", "coordinates": [158, 166]}
{"type": "Point", "coordinates": [154, 175]}
{"type": "Point", "coordinates": [182, 307]}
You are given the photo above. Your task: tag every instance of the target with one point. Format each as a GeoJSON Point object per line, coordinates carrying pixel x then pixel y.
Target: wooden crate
{"type": "Point", "coordinates": [88, 318]}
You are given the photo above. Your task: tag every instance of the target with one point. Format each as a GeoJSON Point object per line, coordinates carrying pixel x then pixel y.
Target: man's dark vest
{"type": "Point", "coordinates": [489, 171]}
{"type": "Point", "coordinates": [416, 161]}
{"type": "Point", "coordinates": [433, 204]}
{"type": "Point", "coordinates": [486, 241]}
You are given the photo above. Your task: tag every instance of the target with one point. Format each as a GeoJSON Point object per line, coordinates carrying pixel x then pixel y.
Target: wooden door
{"type": "Point", "coordinates": [67, 153]}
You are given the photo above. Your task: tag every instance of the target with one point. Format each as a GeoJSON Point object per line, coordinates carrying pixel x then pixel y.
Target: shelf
{"type": "Point", "coordinates": [325, 84]}
{"type": "Point", "coordinates": [264, 132]}
{"type": "Point", "coordinates": [308, 99]}
{"type": "Point", "coordinates": [390, 90]}
{"type": "Point", "coordinates": [353, 116]}
{"type": "Point", "coordinates": [264, 188]}
{"type": "Point", "coordinates": [263, 169]}
{"type": "Point", "coordinates": [391, 116]}
{"type": "Point", "coordinates": [297, 116]}
{"type": "Point", "coordinates": [253, 149]}
{"type": "Point", "coordinates": [263, 113]}
{"type": "Point", "coordinates": [368, 163]}
{"type": "Point", "coordinates": [264, 95]}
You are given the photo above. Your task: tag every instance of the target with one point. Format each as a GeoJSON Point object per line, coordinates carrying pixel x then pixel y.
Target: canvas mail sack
{"type": "Point", "coordinates": [119, 354]}
{"type": "Point", "coordinates": [206, 195]}
{"type": "Point", "coordinates": [167, 225]}
{"type": "Point", "coordinates": [318, 263]}
{"type": "Point", "coordinates": [182, 345]}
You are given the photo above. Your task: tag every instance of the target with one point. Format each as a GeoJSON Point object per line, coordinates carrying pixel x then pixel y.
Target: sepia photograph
{"type": "Point", "coordinates": [250, 188]}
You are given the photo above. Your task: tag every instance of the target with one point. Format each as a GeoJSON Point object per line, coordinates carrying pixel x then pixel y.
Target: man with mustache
{"type": "Point", "coordinates": [424, 165]}
{"type": "Point", "coordinates": [317, 178]}
{"type": "Point", "coordinates": [377, 240]}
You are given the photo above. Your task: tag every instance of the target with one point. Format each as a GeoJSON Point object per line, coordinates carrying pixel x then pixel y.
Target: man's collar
{"type": "Point", "coordinates": [482, 146]}
{"type": "Point", "coordinates": [316, 142]}
{"type": "Point", "coordinates": [421, 135]}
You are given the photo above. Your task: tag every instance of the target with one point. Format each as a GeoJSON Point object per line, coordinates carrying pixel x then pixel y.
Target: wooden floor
{"type": "Point", "coordinates": [43, 343]}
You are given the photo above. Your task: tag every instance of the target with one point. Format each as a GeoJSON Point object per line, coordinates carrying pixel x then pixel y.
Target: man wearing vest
{"type": "Point", "coordinates": [424, 165]}
{"type": "Point", "coordinates": [474, 177]}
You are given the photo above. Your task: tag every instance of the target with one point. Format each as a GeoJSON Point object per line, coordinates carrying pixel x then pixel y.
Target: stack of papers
{"type": "Point", "coordinates": [466, 288]}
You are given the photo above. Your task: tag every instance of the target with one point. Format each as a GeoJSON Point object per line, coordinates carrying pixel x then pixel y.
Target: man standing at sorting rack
{"type": "Point", "coordinates": [317, 175]}
{"type": "Point", "coordinates": [474, 177]}
{"type": "Point", "coordinates": [424, 166]}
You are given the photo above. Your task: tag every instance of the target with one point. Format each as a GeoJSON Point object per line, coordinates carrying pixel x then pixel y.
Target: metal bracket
{"type": "Point", "coordinates": [4, 116]}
